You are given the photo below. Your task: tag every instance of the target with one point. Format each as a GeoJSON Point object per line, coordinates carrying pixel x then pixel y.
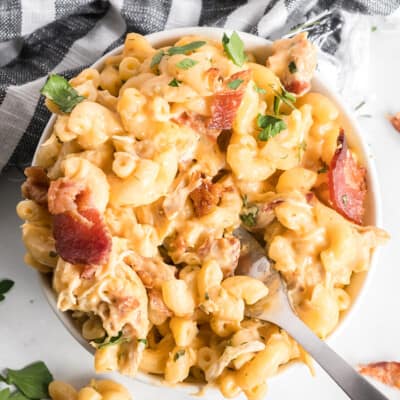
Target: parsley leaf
{"type": "Point", "coordinates": [144, 341]}
{"type": "Point", "coordinates": [270, 126]}
{"type": "Point", "coordinates": [286, 97]}
{"type": "Point", "coordinates": [259, 89]}
{"type": "Point", "coordinates": [186, 63]}
{"type": "Point", "coordinates": [292, 67]}
{"type": "Point", "coordinates": [5, 394]}
{"type": "Point", "coordinates": [113, 340]}
{"type": "Point", "coordinates": [58, 90]}
{"type": "Point", "coordinates": [235, 84]}
{"type": "Point", "coordinates": [32, 380]}
{"type": "Point", "coordinates": [234, 48]}
{"type": "Point", "coordinates": [277, 105]}
{"type": "Point", "coordinates": [373, 28]}
{"type": "Point", "coordinates": [323, 169]}
{"type": "Point", "coordinates": [179, 354]}
{"type": "Point", "coordinates": [5, 286]}
{"type": "Point", "coordinates": [174, 83]}
{"type": "Point", "coordinates": [186, 48]}
{"type": "Point", "coordinates": [249, 214]}
{"type": "Point", "coordinates": [156, 59]}
{"type": "Point", "coordinates": [18, 396]}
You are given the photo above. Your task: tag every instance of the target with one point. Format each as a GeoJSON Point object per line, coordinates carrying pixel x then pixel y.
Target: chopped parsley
{"type": "Point", "coordinates": [259, 89]}
{"type": "Point", "coordinates": [286, 97]}
{"type": "Point", "coordinates": [234, 48]}
{"type": "Point", "coordinates": [174, 83]}
{"type": "Point", "coordinates": [277, 105]}
{"type": "Point", "coordinates": [5, 286]}
{"type": "Point", "coordinates": [249, 214]}
{"type": "Point", "coordinates": [186, 63]}
{"type": "Point", "coordinates": [373, 28]}
{"type": "Point", "coordinates": [235, 84]}
{"type": "Point", "coordinates": [270, 126]}
{"type": "Point", "coordinates": [60, 92]}
{"type": "Point", "coordinates": [112, 341]}
{"type": "Point", "coordinates": [179, 354]}
{"type": "Point", "coordinates": [292, 67]}
{"type": "Point", "coordinates": [143, 341]}
{"type": "Point", "coordinates": [186, 48]}
{"type": "Point", "coordinates": [156, 59]}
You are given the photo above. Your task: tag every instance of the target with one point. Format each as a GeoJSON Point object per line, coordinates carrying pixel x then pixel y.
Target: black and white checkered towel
{"type": "Point", "coordinates": [63, 36]}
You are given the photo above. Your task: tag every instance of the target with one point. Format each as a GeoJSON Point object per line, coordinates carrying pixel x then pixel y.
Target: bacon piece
{"type": "Point", "coordinates": [158, 311]}
{"type": "Point", "coordinates": [294, 61]}
{"type": "Point", "coordinates": [395, 120]}
{"type": "Point", "coordinates": [198, 123]}
{"type": "Point", "coordinates": [346, 180]}
{"type": "Point", "coordinates": [36, 185]}
{"type": "Point", "coordinates": [67, 195]}
{"type": "Point", "coordinates": [82, 243]}
{"type": "Point", "coordinates": [225, 251]}
{"type": "Point", "coordinates": [387, 372]}
{"type": "Point", "coordinates": [227, 101]}
{"type": "Point", "coordinates": [206, 197]}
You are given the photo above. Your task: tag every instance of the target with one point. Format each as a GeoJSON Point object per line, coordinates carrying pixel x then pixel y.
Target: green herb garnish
{"type": "Point", "coordinates": [270, 126]}
{"type": "Point", "coordinates": [235, 84]}
{"type": "Point", "coordinates": [277, 105]}
{"type": "Point", "coordinates": [259, 89]}
{"type": "Point", "coordinates": [292, 67]}
{"type": "Point", "coordinates": [174, 83]}
{"type": "Point", "coordinates": [234, 48]}
{"type": "Point", "coordinates": [32, 381]}
{"type": "Point", "coordinates": [373, 28]}
{"type": "Point", "coordinates": [112, 341]}
{"type": "Point", "coordinates": [186, 63]}
{"type": "Point", "coordinates": [179, 354]}
{"type": "Point", "coordinates": [207, 296]}
{"type": "Point", "coordinates": [186, 48]}
{"type": "Point", "coordinates": [58, 90]}
{"type": "Point", "coordinates": [5, 286]}
{"type": "Point", "coordinates": [156, 59]}
{"type": "Point", "coordinates": [143, 341]}
{"type": "Point", "coordinates": [249, 214]}
{"type": "Point", "coordinates": [286, 97]}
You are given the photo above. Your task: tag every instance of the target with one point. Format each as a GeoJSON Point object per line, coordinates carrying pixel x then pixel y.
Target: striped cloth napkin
{"type": "Point", "coordinates": [64, 36]}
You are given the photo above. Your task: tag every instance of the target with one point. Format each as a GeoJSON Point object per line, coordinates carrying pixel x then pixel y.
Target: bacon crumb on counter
{"type": "Point", "coordinates": [36, 185]}
{"type": "Point", "coordinates": [206, 197]}
{"type": "Point", "coordinates": [395, 120]}
{"type": "Point", "coordinates": [387, 372]}
{"type": "Point", "coordinates": [294, 61]}
{"type": "Point", "coordinates": [346, 181]}
{"type": "Point", "coordinates": [227, 101]}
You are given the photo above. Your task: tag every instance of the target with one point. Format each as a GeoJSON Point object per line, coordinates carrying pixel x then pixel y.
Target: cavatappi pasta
{"type": "Point", "coordinates": [177, 147]}
{"type": "Point", "coordinates": [104, 389]}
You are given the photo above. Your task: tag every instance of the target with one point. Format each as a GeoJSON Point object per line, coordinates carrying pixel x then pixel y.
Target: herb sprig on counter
{"type": "Point", "coordinates": [5, 287]}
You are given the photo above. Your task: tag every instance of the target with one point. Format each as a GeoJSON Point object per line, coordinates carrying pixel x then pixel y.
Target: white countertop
{"type": "Point", "coordinates": [30, 331]}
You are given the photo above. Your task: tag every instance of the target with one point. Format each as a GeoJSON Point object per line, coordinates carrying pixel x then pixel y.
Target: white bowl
{"type": "Point", "coordinates": [259, 47]}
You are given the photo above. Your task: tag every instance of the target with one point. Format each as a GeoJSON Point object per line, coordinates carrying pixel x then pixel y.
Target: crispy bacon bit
{"type": "Point", "coordinates": [158, 311]}
{"type": "Point", "coordinates": [36, 185]}
{"type": "Point", "coordinates": [198, 123]}
{"type": "Point", "coordinates": [309, 197]}
{"type": "Point", "coordinates": [225, 251]}
{"type": "Point", "coordinates": [67, 195]}
{"type": "Point", "coordinates": [395, 120]}
{"type": "Point", "coordinates": [227, 101]}
{"type": "Point", "coordinates": [294, 61]}
{"type": "Point", "coordinates": [88, 271]}
{"type": "Point", "coordinates": [206, 197]}
{"type": "Point", "coordinates": [346, 180]}
{"type": "Point", "coordinates": [82, 243]}
{"type": "Point", "coordinates": [387, 372]}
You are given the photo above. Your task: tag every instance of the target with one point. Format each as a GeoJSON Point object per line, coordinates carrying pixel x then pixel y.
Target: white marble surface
{"type": "Point", "coordinates": [30, 331]}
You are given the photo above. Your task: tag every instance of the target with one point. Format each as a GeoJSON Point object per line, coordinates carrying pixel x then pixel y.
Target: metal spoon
{"type": "Point", "coordinates": [276, 308]}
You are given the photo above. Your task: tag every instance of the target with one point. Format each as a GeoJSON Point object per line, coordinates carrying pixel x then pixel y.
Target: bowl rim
{"type": "Point", "coordinates": [159, 39]}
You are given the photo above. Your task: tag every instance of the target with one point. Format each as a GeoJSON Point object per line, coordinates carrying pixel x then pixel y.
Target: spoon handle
{"type": "Point", "coordinates": [352, 383]}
